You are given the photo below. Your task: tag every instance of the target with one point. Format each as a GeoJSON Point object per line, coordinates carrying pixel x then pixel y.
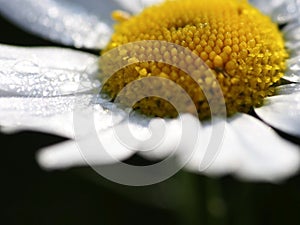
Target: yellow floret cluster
{"type": "Point", "coordinates": [242, 47]}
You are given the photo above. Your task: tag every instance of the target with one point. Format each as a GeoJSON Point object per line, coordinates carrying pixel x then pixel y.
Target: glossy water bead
{"type": "Point", "coordinates": [243, 48]}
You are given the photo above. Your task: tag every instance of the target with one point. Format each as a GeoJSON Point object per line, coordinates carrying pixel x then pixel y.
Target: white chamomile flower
{"type": "Point", "coordinates": [55, 90]}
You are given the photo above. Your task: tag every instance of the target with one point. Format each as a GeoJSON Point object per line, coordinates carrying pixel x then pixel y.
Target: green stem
{"type": "Point", "coordinates": [195, 200]}
{"type": "Point", "coordinates": [215, 204]}
{"type": "Point", "coordinates": [191, 211]}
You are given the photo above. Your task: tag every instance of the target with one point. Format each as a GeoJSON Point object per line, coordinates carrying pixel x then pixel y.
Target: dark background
{"type": "Point", "coordinates": [31, 195]}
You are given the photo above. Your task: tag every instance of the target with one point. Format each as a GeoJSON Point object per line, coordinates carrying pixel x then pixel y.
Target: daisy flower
{"type": "Point", "coordinates": [242, 53]}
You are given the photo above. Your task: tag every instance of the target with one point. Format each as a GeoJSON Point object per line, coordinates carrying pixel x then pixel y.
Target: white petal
{"type": "Point", "coordinates": [292, 31]}
{"type": "Point", "coordinates": [223, 159]}
{"type": "Point", "coordinates": [170, 134]}
{"type": "Point", "coordinates": [252, 151]}
{"type": "Point", "coordinates": [136, 6]}
{"type": "Point", "coordinates": [266, 6]}
{"type": "Point", "coordinates": [57, 115]}
{"type": "Point", "coordinates": [286, 12]}
{"type": "Point", "coordinates": [293, 69]}
{"type": "Point", "coordinates": [293, 48]}
{"type": "Point", "coordinates": [288, 89]}
{"type": "Point", "coordinates": [63, 155]}
{"type": "Point", "coordinates": [60, 125]}
{"type": "Point", "coordinates": [173, 135]}
{"type": "Point", "coordinates": [283, 111]}
{"type": "Point", "coordinates": [52, 115]}
{"type": "Point", "coordinates": [109, 145]}
{"type": "Point", "coordinates": [44, 72]}
{"type": "Point", "coordinates": [83, 152]}
{"type": "Point", "coordinates": [97, 142]}
{"type": "Point", "coordinates": [66, 22]}
{"type": "Point", "coordinates": [265, 155]}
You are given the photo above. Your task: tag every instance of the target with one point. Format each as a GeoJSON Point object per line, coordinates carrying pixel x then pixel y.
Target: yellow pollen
{"type": "Point", "coordinates": [242, 47]}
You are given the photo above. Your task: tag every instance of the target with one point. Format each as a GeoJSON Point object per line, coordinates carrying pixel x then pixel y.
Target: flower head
{"type": "Point", "coordinates": [228, 36]}
{"type": "Point", "coordinates": [241, 47]}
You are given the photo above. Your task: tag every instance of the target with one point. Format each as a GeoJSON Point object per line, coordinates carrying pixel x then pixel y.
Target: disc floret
{"type": "Point", "coordinates": [242, 47]}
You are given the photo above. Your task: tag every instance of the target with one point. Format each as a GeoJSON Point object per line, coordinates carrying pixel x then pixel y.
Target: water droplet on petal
{"type": "Point", "coordinates": [26, 68]}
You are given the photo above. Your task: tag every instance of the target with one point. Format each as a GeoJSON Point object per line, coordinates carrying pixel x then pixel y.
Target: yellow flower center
{"type": "Point", "coordinates": [242, 47]}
